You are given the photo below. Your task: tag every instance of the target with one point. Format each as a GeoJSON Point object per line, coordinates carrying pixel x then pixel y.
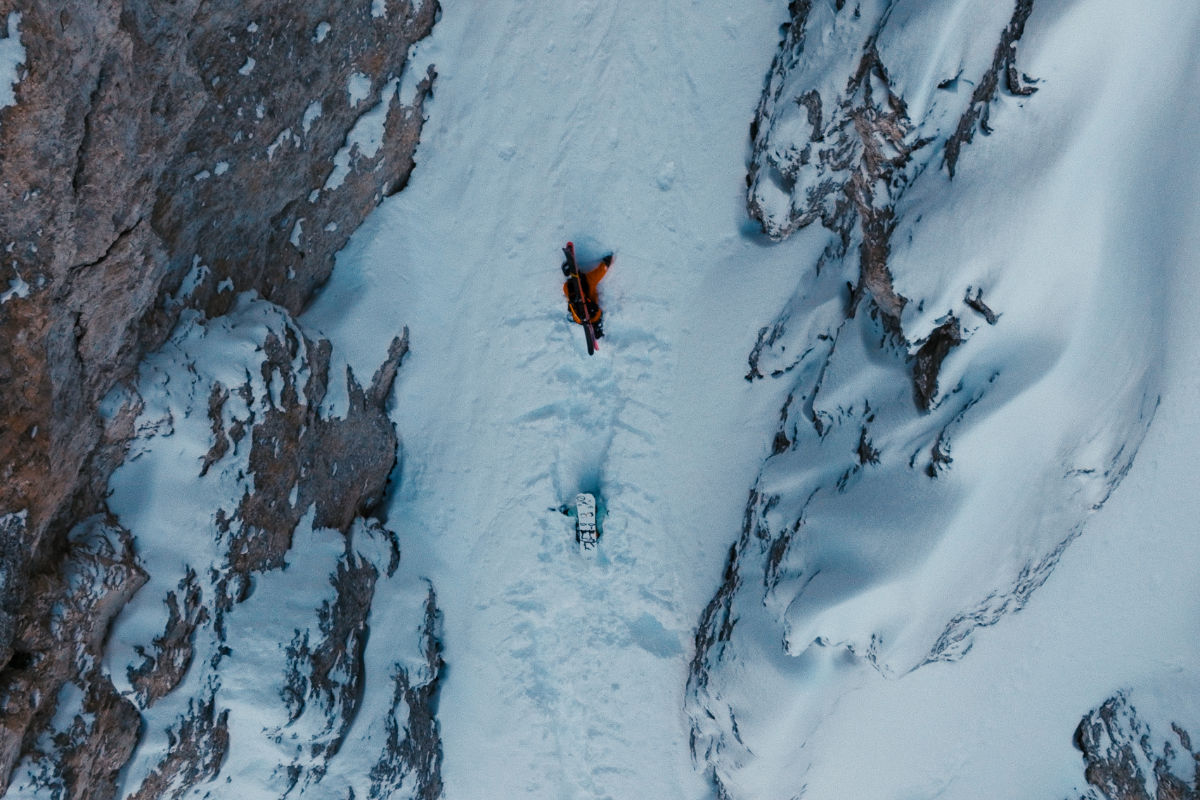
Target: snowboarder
{"type": "Point", "coordinates": [580, 290]}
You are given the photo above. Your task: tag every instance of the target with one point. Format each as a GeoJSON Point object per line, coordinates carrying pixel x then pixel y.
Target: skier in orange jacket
{"type": "Point", "coordinates": [589, 307]}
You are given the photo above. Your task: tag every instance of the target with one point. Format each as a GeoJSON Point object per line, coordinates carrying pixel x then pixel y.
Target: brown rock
{"type": "Point", "coordinates": [99, 742]}
{"type": "Point", "coordinates": [928, 361]}
{"type": "Point", "coordinates": [1123, 760]}
{"type": "Point", "coordinates": [415, 750]}
{"type": "Point", "coordinates": [198, 747]}
{"type": "Point", "coordinates": [60, 638]}
{"type": "Point", "coordinates": [161, 672]}
{"type": "Point", "coordinates": [339, 465]}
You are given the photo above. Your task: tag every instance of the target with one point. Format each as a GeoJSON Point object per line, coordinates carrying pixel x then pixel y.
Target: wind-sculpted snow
{"type": "Point", "coordinates": [249, 652]}
{"type": "Point", "coordinates": [962, 394]}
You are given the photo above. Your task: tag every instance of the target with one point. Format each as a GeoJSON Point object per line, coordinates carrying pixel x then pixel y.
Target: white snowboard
{"type": "Point", "coordinates": [585, 520]}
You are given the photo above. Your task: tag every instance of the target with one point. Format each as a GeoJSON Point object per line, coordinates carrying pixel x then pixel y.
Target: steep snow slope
{"type": "Point", "coordinates": [620, 126]}
{"type": "Point", "coordinates": [886, 528]}
{"type": "Point", "coordinates": [1119, 612]}
{"type": "Point", "coordinates": [619, 129]}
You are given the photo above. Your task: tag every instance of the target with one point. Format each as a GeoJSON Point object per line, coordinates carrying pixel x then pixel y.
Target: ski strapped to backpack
{"type": "Point", "coordinates": [577, 298]}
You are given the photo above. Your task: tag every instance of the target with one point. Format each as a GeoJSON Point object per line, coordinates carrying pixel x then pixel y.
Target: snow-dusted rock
{"type": "Point", "coordinates": [88, 732]}
{"type": "Point", "coordinates": [1137, 745]}
{"type": "Point", "coordinates": [247, 652]}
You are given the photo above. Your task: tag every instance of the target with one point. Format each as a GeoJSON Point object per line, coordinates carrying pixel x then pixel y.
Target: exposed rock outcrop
{"type": "Point", "coordinates": [843, 154]}
{"type": "Point", "coordinates": [412, 753]}
{"type": "Point", "coordinates": [338, 466]}
{"type": "Point", "coordinates": [62, 640]}
{"type": "Point", "coordinates": [160, 672]}
{"type": "Point", "coordinates": [228, 587]}
{"type": "Point", "coordinates": [198, 746]}
{"type": "Point", "coordinates": [927, 362]}
{"type": "Point", "coordinates": [160, 157]}
{"type": "Point", "coordinates": [1129, 757]}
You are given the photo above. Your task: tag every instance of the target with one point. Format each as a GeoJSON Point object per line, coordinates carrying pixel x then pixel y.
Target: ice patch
{"type": "Point", "coordinates": [195, 275]}
{"type": "Point", "coordinates": [297, 232]}
{"type": "Point", "coordinates": [221, 168]}
{"type": "Point", "coordinates": [358, 87]}
{"type": "Point", "coordinates": [378, 8]}
{"type": "Point", "coordinates": [248, 67]}
{"type": "Point", "coordinates": [321, 32]}
{"type": "Point", "coordinates": [12, 56]}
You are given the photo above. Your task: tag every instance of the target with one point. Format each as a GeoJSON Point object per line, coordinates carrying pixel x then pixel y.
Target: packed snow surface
{"type": "Point", "coordinates": [621, 127]}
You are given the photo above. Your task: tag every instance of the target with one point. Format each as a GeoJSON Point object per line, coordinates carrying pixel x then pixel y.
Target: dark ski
{"type": "Point", "coordinates": [576, 298]}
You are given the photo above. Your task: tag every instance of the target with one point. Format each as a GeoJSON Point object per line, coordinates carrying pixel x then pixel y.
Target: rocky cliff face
{"type": "Point", "coordinates": [158, 159]}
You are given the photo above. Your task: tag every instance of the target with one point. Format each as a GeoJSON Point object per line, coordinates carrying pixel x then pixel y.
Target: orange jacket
{"type": "Point", "coordinates": [589, 281]}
